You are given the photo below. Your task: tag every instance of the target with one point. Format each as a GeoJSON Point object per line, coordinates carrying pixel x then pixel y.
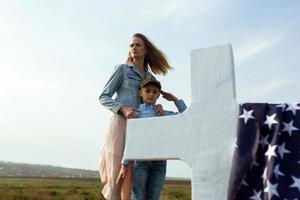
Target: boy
{"type": "Point", "coordinates": [149, 176]}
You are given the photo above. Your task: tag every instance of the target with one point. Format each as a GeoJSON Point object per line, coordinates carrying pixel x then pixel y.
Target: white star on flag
{"type": "Point", "coordinates": [247, 115]}
{"type": "Point", "coordinates": [244, 183]}
{"type": "Point", "coordinates": [271, 189]}
{"type": "Point", "coordinates": [235, 143]}
{"type": "Point", "coordinates": [282, 150]}
{"type": "Point", "coordinates": [288, 127]}
{"type": "Point", "coordinates": [277, 172]}
{"type": "Point", "coordinates": [296, 183]}
{"type": "Point", "coordinates": [256, 195]}
{"type": "Point", "coordinates": [271, 152]}
{"type": "Point", "coordinates": [270, 120]}
{"type": "Point", "coordinates": [293, 107]}
{"type": "Point", "coordinates": [264, 175]}
{"type": "Point", "coordinates": [282, 106]}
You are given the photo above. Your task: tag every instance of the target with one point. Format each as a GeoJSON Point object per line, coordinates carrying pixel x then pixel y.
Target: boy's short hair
{"type": "Point", "coordinates": [149, 81]}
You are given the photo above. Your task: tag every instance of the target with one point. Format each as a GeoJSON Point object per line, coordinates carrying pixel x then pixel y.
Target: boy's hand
{"type": "Point", "coordinates": [159, 110]}
{"type": "Point", "coordinates": [168, 96]}
{"type": "Point", "coordinates": [122, 173]}
{"type": "Point", "coordinates": [128, 112]}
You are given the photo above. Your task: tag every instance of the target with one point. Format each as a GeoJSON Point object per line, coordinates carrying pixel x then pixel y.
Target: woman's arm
{"type": "Point", "coordinates": [110, 88]}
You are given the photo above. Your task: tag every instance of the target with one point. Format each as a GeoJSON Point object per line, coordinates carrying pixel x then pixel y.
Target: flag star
{"type": "Point", "coordinates": [256, 195]}
{"type": "Point", "coordinates": [282, 106]}
{"type": "Point", "coordinates": [264, 175]}
{"type": "Point", "coordinates": [293, 107]}
{"type": "Point", "coordinates": [296, 183]}
{"type": "Point", "coordinates": [270, 120]}
{"type": "Point", "coordinates": [282, 150]}
{"type": "Point", "coordinates": [264, 141]}
{"type": "Point", "coordinates": [244, 183]}
{"type": "Point", "coordinates": [288, 127]}
{"type": "Point", "coordinates": [235, 143]}
{"type": "Point", "coordinates": [254, 163]}
{"type": "Point", "coordinates": [277, 172]}
{"type": "Point", "coordinates": [271, 152]}
{"type": "Point", "coordinates": [271, 189]}
{"type": "Point", "coordinates": [247, 115]}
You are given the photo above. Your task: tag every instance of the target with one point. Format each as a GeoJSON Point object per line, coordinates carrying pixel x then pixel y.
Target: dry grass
{"type": "Point", "coordinates": [72, 189]}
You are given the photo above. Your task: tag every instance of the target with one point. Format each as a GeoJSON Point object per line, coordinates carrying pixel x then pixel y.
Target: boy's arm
{"type": "Point", "coordinates": [179, 103]}
{"type": "Point", "coordinates": [168, 96]}
{"type": "Point", "coordinates": [122, 173]}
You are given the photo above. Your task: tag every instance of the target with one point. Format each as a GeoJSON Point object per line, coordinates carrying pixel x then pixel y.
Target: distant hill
{"type": "Point", "coordinates": [12, 169]}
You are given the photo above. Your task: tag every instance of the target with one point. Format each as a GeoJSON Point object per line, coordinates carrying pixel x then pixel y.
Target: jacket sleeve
{"type": "Point", "coordinates": [180, 105]}
{"type": "Point", "coordinates": [110, 88]}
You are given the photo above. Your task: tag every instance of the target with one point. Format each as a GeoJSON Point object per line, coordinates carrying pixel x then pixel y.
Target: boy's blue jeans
{"type": "Point", "coordinates": [148, 179]}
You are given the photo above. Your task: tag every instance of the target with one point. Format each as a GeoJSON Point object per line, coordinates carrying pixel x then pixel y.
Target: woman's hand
{"type": "Point", "coordinates": [159, 110]}
{"type": "Point", "coordinates": [128, 112]}
{"type": "Point", "coordinates": [168, 96]}
{"type": "Point", "coordinates": [122, 173]}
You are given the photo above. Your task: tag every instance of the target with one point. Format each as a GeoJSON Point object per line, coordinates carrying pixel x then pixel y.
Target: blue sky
{"type": "Point", "coordinates": [55, 57]}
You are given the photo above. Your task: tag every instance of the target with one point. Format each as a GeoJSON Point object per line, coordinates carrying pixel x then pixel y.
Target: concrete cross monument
{"type": "Point", "coordinates": [203, 135]}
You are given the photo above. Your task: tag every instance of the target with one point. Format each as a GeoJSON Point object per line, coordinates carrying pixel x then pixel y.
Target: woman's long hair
{"type": "Point", "coordinates": [154, 58]}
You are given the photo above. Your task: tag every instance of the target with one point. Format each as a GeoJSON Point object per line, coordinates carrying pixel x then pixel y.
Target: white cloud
{"type": "Point", "coordinates": [255, 47]}
{"type": "Point", "coordinates": [13, 84]}
{"type": "Point", "coordinates": [178, 9]}
{"type": "Point", "coordinates": [7, 30]}
{"type": "Point", "coordinates": [168, 9]}
{"type": "Point", "coordinates": [266, 92]}
{"type": "Point", "coordinates": [270, 87]}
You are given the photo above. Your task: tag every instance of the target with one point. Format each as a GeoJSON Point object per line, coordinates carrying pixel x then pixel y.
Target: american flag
{"type": "Point", "coordinates": [266, 160]}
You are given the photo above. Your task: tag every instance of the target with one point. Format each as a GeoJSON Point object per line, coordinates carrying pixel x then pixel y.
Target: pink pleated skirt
{"type": "Point", "coordinates": [110, 161]}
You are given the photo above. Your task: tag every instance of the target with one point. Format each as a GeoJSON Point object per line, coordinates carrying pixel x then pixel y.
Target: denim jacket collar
{"type": "Point", "coordinates": [133, 67]}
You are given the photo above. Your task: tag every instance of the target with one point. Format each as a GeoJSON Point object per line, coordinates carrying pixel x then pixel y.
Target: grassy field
{"type": "Point", "coordinates": [72, 189]}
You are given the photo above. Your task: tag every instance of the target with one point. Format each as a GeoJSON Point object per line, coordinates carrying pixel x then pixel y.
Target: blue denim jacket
{"type": "Point", "coordinates": [147, 110]}
{"type": "Point", "coordinates": [124, 81]}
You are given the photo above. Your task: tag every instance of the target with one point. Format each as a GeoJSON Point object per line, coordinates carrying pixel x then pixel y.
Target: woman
{"type": "Point", "coordinates": [125, 81]}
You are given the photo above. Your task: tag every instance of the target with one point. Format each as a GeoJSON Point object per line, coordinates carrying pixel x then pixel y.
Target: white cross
{"type": "Point", "coordinates": [203, 135]}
